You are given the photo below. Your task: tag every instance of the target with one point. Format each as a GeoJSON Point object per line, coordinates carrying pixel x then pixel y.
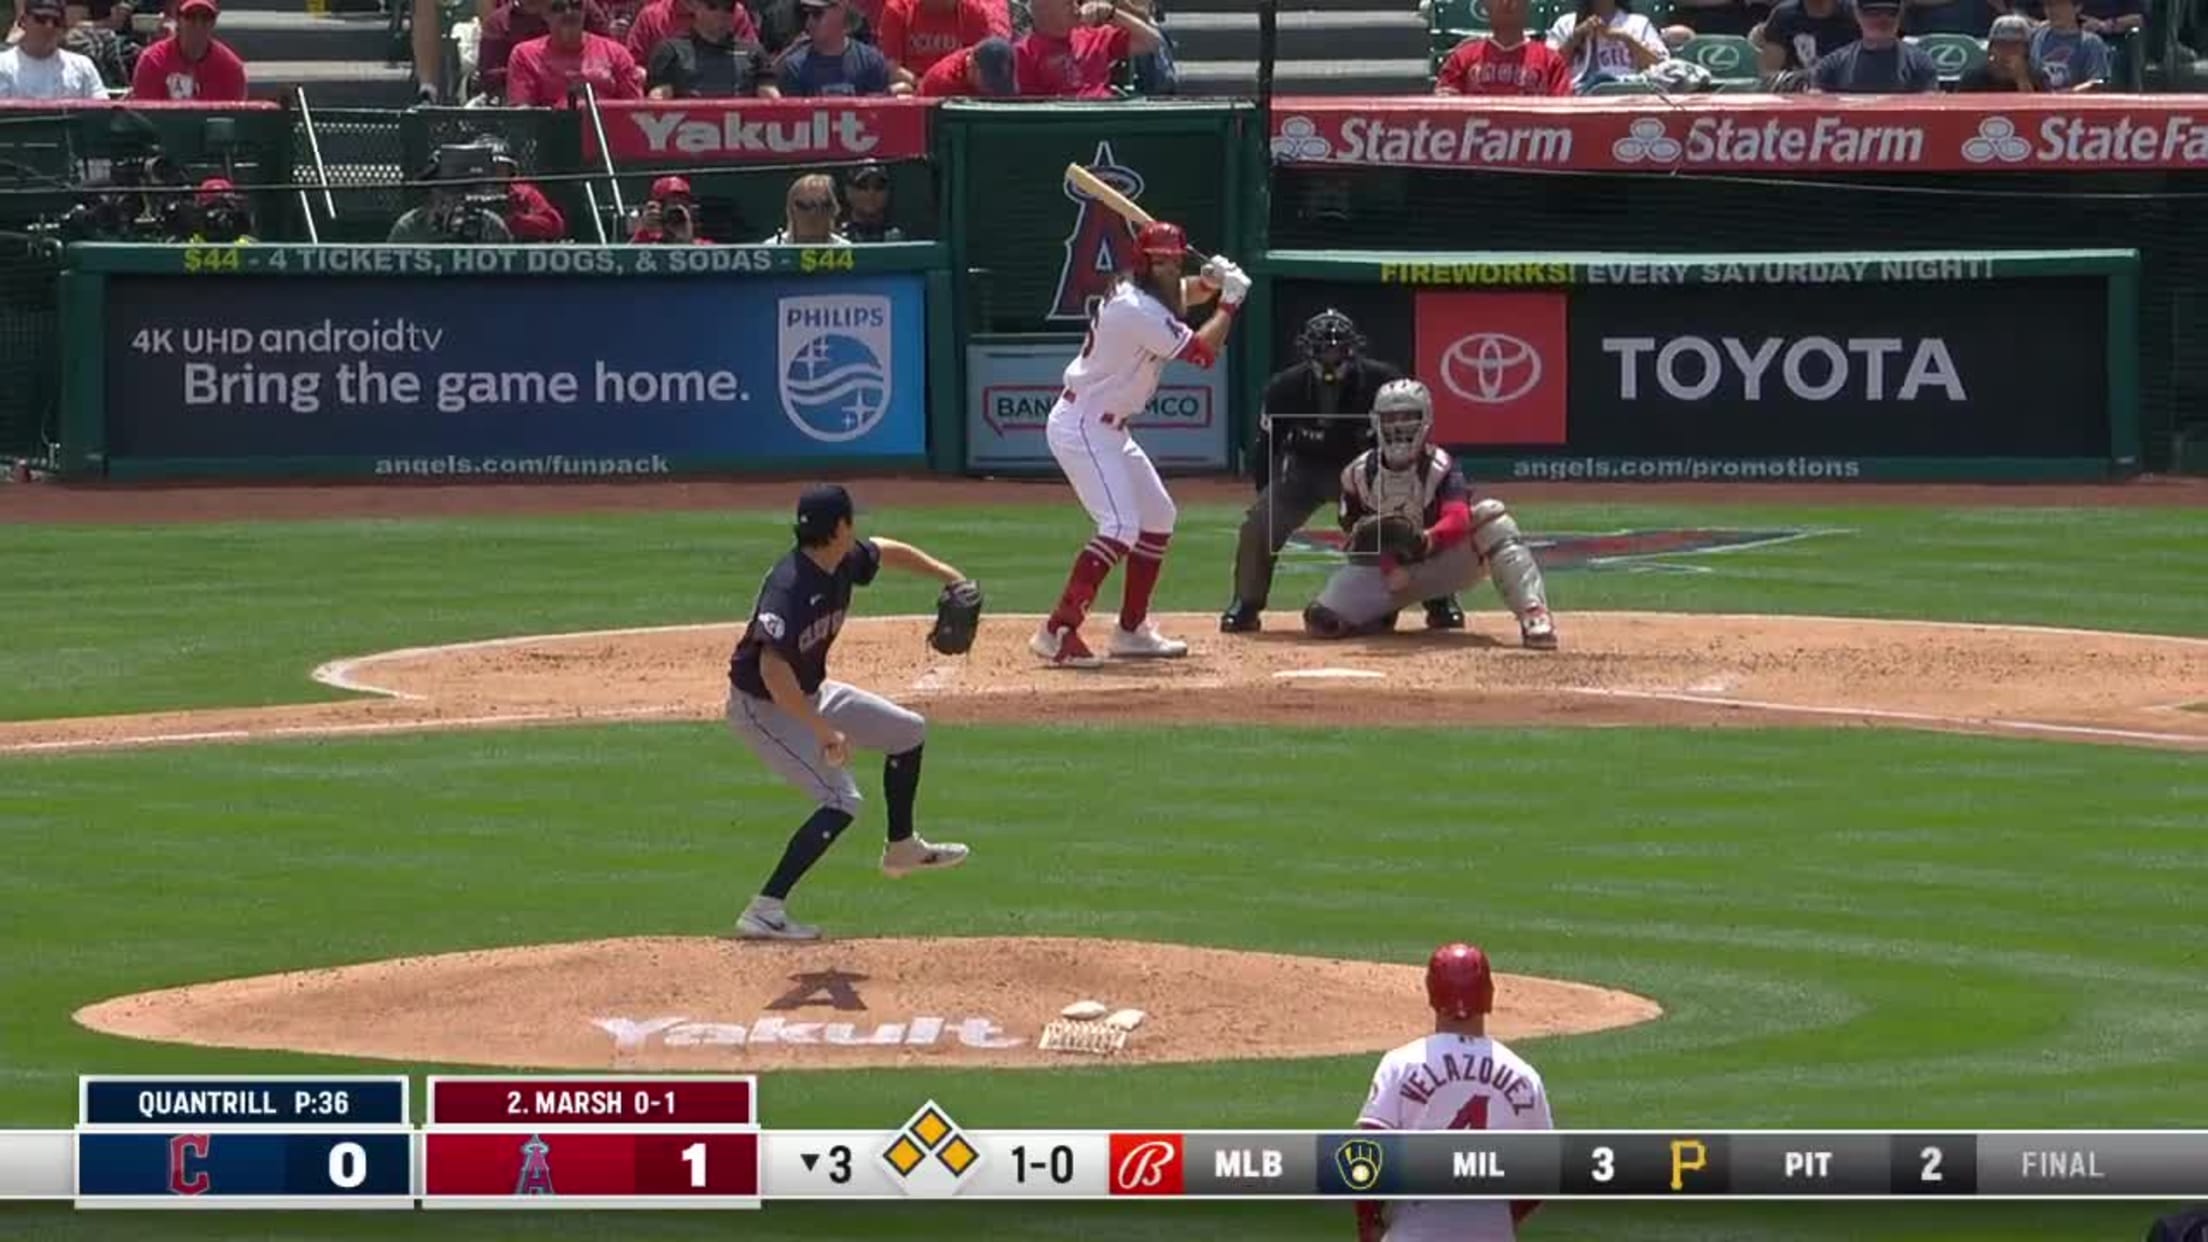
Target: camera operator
{"type": "Point", "coordinates": [530, 216]}
{"type": "Point", "coordinates": [670, 218]}
{"type": "Point", "coordinates": [466, 206]}
{"type": "Point", "coordinates": [216, 215]}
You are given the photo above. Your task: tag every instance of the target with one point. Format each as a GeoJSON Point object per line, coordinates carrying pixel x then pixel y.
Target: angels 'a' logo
{"type": "Point", "coordinates": [1100, 244]}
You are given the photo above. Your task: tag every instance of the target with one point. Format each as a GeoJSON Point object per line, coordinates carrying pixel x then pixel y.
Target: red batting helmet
{"type": "Point", "coordinates": [1160, 240]}
{"type": "Point", "coordinates": [1458, 981]}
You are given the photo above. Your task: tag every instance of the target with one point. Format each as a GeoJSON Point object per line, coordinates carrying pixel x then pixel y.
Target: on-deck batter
{"type": "Point", "coordinates": [1133, 333]}
{"type": "Point", "coordinates": [1454, 1079]}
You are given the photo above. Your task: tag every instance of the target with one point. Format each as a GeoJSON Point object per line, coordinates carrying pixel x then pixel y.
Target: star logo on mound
{"type": "Point", "coordinates": [1996, 139]}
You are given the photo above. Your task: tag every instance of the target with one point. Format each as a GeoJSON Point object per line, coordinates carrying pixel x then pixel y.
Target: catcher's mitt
{"type": "Point", "coordinates": [1395, 536]}
{"type": "Point", "coordinates": [957, 618]}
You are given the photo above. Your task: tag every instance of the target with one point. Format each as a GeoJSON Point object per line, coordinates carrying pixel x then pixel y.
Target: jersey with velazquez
{"type": "Point", "coordinates": [799, 612]}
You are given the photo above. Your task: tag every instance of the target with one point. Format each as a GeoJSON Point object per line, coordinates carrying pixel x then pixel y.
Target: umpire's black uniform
{"type": "Point", "coordinates": [1298, 467]}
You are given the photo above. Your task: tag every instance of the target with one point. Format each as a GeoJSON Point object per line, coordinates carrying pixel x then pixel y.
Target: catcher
{"type": "Point", "coordinates": [781, 703]}
{"type": "Point", "coordinates": [1415, 532]}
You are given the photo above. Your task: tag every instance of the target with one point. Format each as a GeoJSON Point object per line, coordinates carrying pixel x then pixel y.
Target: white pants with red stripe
{"type": "Point", "coordinates": [1111, 474]}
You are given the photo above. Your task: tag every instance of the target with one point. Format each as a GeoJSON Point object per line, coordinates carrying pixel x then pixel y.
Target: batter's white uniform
{"type": "Point", "coordinates": [1454, 1082]}
{"type": "Point", "coordinates": [1131, 339]}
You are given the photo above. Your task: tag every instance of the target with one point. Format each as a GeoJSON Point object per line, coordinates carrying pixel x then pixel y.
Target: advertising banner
{"type": "Point", "coordinates": [1495, 364]}
{"type": "Point", "coordinates": [750, 131]}
{"type": "Point", "coordinates": [1742, 133]}
{"type": "Point", "coordinates": [2016, 368]}
{"type": "Point", "coordinates": [1010, 388]}
{"type": "Point", "coordinates": [517, 376]}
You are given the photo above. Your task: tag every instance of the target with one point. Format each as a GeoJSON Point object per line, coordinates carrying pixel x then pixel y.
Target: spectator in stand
{"type": "Point", "coordinates": [1807, 30]}
{"type": "Point", "coordinates": [39, 67]}
{"type": "Point", "coordinates": [548, 72]}
{"type": "Point", "coordinates": [1965, 17]}
{"type": "Point", "coordinates": [664, 19]}
{"type": "Point", "coordinates": [866, 206]}
{"type": "Point", "coordinates": [828, 61]}
{"type": "Point", "coordinates": [94, 36]}
{"type": "Point", "coordinates": [2008, 63]}
{"type": "Point", "coordinates": [1604, 40]}
{"type": "Point", "coordinates": [2069, 56]}
{"type": "Point", "coordinates": [2109, 18]}
{"type": "Point", "coordinates": [915, 34]}
{"type": "Point", "coordinates": [1879, 63]}
{"type": "Point", "coordinates": [1504, 61]}
{"type": "Point", "coordinates": [809, 214]}
{"type": "Point", "coordinates": [192, 63]}
{"type": "Point", "coordinates": [1074, 46]}
{"type": "Point", "coordinates": [670, 216]}
{"type": "Point", "coordinates": [983, 69]}
{"type": "Point", "coordinates": [516, 22]}
{"type": "Point", "coordinates": [1773, 75]}
{"type": "Point", "coordinates": [712, 61]}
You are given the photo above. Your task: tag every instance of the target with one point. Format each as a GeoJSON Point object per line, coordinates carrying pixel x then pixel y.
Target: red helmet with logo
{"type": "Point", "coordinates": [1160, 240]}
{"type": "Point", "coordinates": [1458, 981]}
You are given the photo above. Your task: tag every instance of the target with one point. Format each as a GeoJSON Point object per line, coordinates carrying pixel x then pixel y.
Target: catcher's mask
{"type": "Point", "coordinates": [1402, 419]}
{"type": "Point", "coordinates": [1329, 340]}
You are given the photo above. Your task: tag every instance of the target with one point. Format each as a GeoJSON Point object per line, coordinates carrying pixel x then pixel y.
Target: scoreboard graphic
{"type": "Point", "coordinates": [536, 1142]}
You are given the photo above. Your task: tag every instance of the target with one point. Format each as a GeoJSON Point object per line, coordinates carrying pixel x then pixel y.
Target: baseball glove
{"type": "Point", "coordinates": [957, 618]}
{"type": "Point", "coordinates": [1394, 536]}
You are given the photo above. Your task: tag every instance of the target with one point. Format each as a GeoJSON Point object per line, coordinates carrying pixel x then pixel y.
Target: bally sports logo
{"type": "Point", "coordinates": [1148, 1164]}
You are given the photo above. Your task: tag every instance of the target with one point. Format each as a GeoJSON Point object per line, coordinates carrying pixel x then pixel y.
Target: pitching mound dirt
{"type": "Point", "coordinates": [696, 1004]}
{"type": "Point", "coordinates": [1616, 668]}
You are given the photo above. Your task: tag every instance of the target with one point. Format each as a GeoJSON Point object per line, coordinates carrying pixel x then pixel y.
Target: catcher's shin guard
{"type": "Point", "coordinates": [1510, 562]}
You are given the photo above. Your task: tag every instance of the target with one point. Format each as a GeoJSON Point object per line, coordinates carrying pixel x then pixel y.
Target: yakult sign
{"type": "Point", "coordinates": [738, 131]}
{"type": "Point", "coordinates": [1729, 133]}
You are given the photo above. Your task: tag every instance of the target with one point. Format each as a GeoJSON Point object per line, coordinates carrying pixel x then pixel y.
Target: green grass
{"type": "Point", "coordinates": [117, 619]}
{"type": "Point", "coordinates": [1848, 928]}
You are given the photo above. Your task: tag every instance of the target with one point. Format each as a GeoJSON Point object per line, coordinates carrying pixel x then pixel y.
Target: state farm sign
{"type": "Point", "coordinates": [1737, 133]}
{"type": "Point", "coordinates": [737, 131]}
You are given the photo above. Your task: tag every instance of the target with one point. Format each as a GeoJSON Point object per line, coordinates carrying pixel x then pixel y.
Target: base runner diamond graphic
{"type": "Point", "coordinates": [928, 1157]}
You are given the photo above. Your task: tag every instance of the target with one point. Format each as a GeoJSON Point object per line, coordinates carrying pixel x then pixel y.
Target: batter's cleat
{"type": "Point", "coordinates": [1443, 614]}
{"type": "Point", "coordinates": [761, 921]}
{"type": "Point", "coordinates": [1241, 618]}
{"type": "Point", "coordinates": [1145, 643]}
{"type": "Point", "coordinates": [902, 858]}
{"type": "Point", "coordinates": [1537, 630]}
{"type": "Point", "coordinates": [1063, 648]}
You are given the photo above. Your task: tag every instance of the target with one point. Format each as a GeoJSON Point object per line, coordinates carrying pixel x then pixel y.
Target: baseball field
{"type": "Point", "coordinates": [1758, 848]}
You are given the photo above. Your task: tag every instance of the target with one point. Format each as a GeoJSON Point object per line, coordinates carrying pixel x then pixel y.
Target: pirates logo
{"type": "Point", "coordinates": [1100, 244]}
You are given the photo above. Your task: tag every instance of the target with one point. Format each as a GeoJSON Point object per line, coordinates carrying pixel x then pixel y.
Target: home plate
{"type": "Point", "coordinates": [1328, 674]}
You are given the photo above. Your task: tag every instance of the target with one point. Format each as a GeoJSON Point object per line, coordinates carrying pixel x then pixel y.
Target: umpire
{"type": "Point", "coordinates": [1298, 467]}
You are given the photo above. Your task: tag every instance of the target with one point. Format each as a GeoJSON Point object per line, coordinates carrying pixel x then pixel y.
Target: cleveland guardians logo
{"type": "Point", "coordinates": [1100, 243]}
{"type": "Point", "coordinates": [187, 1158]}
{"type": "Point", "coordinates": [833, 363]}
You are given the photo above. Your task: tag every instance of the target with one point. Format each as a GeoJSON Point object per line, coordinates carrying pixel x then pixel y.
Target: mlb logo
{"type": "Point", "coordinates": [833, 363]}
{"type": "Point", "coordinates": [1148, 1164]}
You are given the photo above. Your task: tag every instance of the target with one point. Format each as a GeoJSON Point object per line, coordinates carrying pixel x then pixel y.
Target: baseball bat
{"type": "Point", "coordinates": [1122, 206]}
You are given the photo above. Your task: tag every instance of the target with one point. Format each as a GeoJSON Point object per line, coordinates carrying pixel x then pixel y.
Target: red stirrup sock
{"type": "Point", "coordinates": [1143, 565]}
{"type": "Point", "coordinates": [1090, 569]}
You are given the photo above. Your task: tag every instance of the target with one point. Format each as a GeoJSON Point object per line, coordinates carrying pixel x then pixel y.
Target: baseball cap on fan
{"type": "Point", "coordinates": [189, 7]}
{"type": "Point", "coordinates": [820, 508]}
{"type": "Point", "coordinates": [2009, 28]}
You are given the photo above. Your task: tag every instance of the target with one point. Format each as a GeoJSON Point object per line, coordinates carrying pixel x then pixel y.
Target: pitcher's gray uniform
{"type": "Point", "coordinates": [1405, 475]}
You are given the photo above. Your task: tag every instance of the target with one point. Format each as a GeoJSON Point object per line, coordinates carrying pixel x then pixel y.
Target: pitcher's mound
{"type": "Point", "coordinates": [671, 1003]}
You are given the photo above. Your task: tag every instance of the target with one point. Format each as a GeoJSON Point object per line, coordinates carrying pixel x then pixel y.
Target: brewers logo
{"type": "Point", "coordinates": [834, 364]}
{"type": "Point", "coordinates": [1100, 244]}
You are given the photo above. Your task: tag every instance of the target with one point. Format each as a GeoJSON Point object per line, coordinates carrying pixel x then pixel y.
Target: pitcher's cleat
{"type": "Point", "coordinates": [765, 919]}
{"type": "Point", "coordinates": [902, 858]}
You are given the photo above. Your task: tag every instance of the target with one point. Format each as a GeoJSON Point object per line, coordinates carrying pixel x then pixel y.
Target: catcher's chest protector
{"type": "Point", "coordinates": [1407, 493]}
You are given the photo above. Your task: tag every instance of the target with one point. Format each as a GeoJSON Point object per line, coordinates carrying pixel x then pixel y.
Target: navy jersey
{"type": "Point", "coordinates": [799, 611]}
{"type": "Point", "coordinates": [1370, 489]}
